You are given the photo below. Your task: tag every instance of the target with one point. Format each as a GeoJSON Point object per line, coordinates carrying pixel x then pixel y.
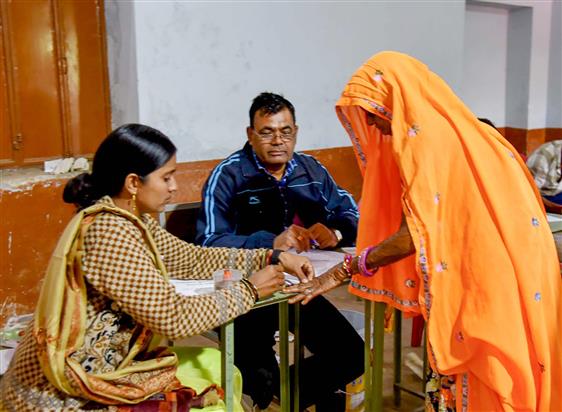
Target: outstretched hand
{"type": "Point", "coordinates": [317, 286]}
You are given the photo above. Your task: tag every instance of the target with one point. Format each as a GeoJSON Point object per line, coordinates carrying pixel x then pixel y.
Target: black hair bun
{"type": "Point", "coordinates": [80, 191]}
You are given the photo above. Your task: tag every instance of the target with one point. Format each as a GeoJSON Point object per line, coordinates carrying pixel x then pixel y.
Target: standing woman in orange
{"type": "Point", "coordinates": [452, 227]}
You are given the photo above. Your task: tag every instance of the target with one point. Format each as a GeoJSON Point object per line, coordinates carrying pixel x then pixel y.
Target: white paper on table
{"type": "Point", "coordinates": [322, 261]}
{"type": "Point", "coordinates": [189, 287]}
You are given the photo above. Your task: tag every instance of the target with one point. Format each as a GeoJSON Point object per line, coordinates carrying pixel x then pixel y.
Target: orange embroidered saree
{"type": "Point", "coordinates": [485, 274]}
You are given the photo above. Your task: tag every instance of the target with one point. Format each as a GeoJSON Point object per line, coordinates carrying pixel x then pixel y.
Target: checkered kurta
{"type": "Point", "coordinates": [126, 290]}
{"type": "Point", "coordinates": [544, 164]}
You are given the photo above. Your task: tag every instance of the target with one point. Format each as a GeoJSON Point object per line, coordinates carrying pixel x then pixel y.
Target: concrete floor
{"type": "Point", "coordinates": [343, 300]}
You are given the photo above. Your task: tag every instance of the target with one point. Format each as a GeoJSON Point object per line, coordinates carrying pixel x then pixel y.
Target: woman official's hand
{"type": "Point", "coordinates": [268, 280]}
{"type": "Point", "coordinates": [299, 266]}
{"type": "Point", "coordinates": [321, 284]}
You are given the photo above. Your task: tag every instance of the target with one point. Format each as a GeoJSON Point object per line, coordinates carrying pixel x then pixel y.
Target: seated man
{"type": "Point", "coordinates": [544, 164]}
{"type": "Point", "coordinates": [252, 200]}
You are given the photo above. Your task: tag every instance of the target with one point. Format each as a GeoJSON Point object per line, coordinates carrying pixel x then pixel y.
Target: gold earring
{"type": "Point", "coordinates": [134, 202]}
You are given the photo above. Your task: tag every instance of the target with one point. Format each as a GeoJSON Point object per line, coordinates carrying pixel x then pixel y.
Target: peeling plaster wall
{"type": "Point", "coordinates": [32, 218]}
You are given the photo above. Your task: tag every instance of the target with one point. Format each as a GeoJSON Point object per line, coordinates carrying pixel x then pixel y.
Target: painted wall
{"type": "Point", "coordinates": [195, 66]}
{"type": "Point", "coordinates": [33, 217]}
{"type": "Point", "coordinates": [122, 48]}
{"type": "Point", "coordinates": [554, 106]}
{"type": "Point", "coordinates": [200, 64]}
{"type": "Point", "coordinates": [512, 62]}
{"type": "Point", "coordinates": [485, 40]}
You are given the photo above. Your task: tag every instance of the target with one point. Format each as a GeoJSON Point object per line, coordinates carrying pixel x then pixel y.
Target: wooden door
{"type": "Point", "coordinates": [6, 152]}
{"type": "Point", "coordinates": [56, 88]}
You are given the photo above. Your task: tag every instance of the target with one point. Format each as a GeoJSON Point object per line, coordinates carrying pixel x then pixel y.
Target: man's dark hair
{"type": "Point", "coordinates": [270, 103]}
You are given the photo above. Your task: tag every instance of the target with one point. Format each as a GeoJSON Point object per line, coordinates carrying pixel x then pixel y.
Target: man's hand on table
{"type": "Point", "coordinates": [324, 236]}
{"type": "Point", "coordinates": [302, 240]}
{"type": "Point", "coordinates": [294, 236]}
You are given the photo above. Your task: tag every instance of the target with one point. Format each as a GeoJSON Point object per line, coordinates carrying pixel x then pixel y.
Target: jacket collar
{"type": "Point", "coordinates": [251, 165]}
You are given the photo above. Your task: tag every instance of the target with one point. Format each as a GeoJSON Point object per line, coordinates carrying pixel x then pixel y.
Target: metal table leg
{"type": "Point", "coordinates": [284, 355]}
{"type": "Point", "coordinates": [378, 334]}
{"type": "Point", "coordinates": [298, 355]}
{"type": "Point", "coordinates": [368, 361]}
{"type": "Point", "coordinates": [227, 364]}
{"type": "Point", "coordinates": [397, 356]}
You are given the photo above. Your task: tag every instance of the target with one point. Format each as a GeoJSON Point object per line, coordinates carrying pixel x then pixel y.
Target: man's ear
{"type": "Point", "coordinates": [249, 133]}
{"type": "Point", "coordinates": [132, 183]}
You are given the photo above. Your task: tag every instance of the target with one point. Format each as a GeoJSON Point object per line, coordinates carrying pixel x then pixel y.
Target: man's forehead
{"type": "Point", "coordinates": [282, 116]}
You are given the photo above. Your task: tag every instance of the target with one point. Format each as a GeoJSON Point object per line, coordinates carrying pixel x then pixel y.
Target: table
{"type": "Point", "coordinates": [227, 353]}
{"type": "Point", "coordinates": [374, 338]}
{"type": "Point", "coordinates": [199, 287]}
{"type": "Point", "coordinates": [321, 260]}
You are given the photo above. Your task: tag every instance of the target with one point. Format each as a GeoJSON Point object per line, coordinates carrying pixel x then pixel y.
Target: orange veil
{"type": "Point", "coordinates": [485, 274]}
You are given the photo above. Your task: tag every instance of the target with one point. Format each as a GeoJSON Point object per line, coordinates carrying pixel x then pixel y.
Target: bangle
{"type": "Point", "coordinates": [274, 258]}
{"type": "Point", "coordinates": [347, 261]}
{"type": "Point", "coordinates": [252, 288]}
{"type": "Point", "coordinates": [363, 269]}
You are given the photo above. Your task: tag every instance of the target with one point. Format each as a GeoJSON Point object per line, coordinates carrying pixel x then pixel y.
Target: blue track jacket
{"type": "Point", "coordinates": [245, 207]}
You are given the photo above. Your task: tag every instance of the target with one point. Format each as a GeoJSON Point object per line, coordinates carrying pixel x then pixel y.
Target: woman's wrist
{"type": "Point", "coordinates": [251, 288]}
{"type": "Point", "coordinates": [341, 274]}
{"type": "Point", "coordinates": [355, 265]}
{"type": "Point", "coordinates": [366, 268]}
{"type": "Point", "coordinates": [274, 256]}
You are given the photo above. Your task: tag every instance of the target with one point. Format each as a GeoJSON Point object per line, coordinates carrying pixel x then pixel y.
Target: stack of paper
{"type": "Point", "coordinates": [322, 261]}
